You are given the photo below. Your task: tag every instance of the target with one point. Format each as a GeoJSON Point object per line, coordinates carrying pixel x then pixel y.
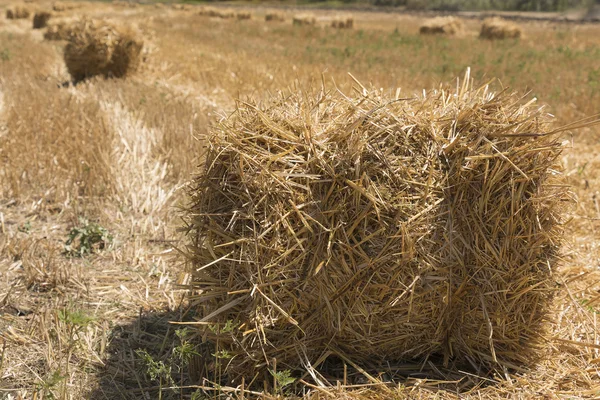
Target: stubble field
{"type": "Point", "coordinates": [116, 154]}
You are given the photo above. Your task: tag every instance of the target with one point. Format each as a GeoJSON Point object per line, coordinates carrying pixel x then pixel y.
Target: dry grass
{"type": "Point", "coordinates": [97, 47]}
{"type": "Point", "coordinates": [116, 152]}
{"type": "Point", "coordinates": [498, 28]}
{"type": "Point", "coordinates": [442, 26]}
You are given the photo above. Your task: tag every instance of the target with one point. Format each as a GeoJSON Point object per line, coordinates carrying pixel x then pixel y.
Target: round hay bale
{"type": "Point", "coordinates": [275, 16]}
{"type": "Point", "coordinates": [40, 19]}
{"type": "Point", "coordinates": [343, 23]}
{"type": "Point", "coordinates": [498, 28]}
{"type": "Point", "coordinates": [442, 26]}
{"type": "Point", "coordinates": [97, 47]}
{"type": "Point", "coordinates": [304, 20]}
{"type": "Point", "coordinates": [376, 229]}
{"type": "Point", "coordinates": [18, 12]}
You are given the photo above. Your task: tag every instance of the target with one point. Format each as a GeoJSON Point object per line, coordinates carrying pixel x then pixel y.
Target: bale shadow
{"type": "Point", "coordinates": [150, 355]}
{"type": "Point", "coordinates": [155, 357]}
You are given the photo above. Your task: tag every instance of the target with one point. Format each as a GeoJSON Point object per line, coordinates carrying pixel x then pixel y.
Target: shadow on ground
{"type": "Point", "coordinates": [151, 355]}
{"type": "Point", "coordinates": [154, 354]}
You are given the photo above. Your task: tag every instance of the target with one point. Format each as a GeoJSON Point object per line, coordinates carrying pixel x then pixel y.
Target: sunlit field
{"type": "Point", "coordinates": [112, 158]}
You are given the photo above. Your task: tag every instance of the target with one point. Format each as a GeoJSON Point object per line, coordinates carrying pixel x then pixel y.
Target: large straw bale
{"type": "Point", "coordinates": [442, 26]}
{"type": "Point", "coordinates": [18, 12]}
{"type": "Point", "coordinates": [346, 22]}
{"type": "Point", "coordinates": [498, 28]}
{"type": "Point", "coordinates": [304, 19]}
{"type": "Point", "coordinates": [273, 16]}
{"type": "Point", "coordinates": [375, 228]}
{"type": "Point", "coordinates": [97, 47]}
{"type": "Point", "coordinates": [40, 19]}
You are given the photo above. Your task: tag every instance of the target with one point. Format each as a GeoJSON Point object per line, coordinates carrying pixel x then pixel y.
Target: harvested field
{"type": "Point", "coordinates": [395, 233]}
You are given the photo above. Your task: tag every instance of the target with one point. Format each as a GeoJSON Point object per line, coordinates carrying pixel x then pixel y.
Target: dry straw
{"type": "Point", "coordinates": [40, 19]}
{"type": "Point", "coordinates": [97, 47]}
{"type": "Point", "coordinates": [343, 23]}
{"type": "Point", "coordinates": [275, 16]}
{"type": "Point", "coordinates": [498, 28]}
{"type": "Point", "coordinates": [442, 26]}
{"type": "Point", "coordinates": [304, 19]}
{"type": "Point", "coordinates": [374, 228]}
{"type": "Point", "coordinates": [18, 12]}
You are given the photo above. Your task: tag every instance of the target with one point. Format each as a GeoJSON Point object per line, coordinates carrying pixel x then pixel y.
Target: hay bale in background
{"type": "Point", "coordinates": [182, 7]}
{"type": "Point", "coordinates": [377, 230]}
{"type": "Point", "coordinates": [273, 16]}
{"type": "Point", "coordinates": [65, 6]}
{"type": "Point", "coordinates": [243, 15]}
{"type": "Point", "coordinates": [40, 19]}
{"type": "Point", "coordinates": [498, 28]}
{"type": "Point", "coordinates": [97, 47]}
{"type": "Point", "coordinates": [18, 12]}
{"type": "Point", "coordinates": [343, 22]}
{"type": "Point", "coordinates": [58, 30]}
{"type": "Point", "coordinates": [442, 26]}
{"type": "Point", "coordinates": [304, 20]}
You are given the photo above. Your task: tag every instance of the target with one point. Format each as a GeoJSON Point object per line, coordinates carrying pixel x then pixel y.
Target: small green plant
{"type": "Point", "coordinates": [5, 55]}
{"type": "Point", "coordinates": [75, 318]}
{"type": "Point", "coordinates": [25, 228]}
{"type": "Point", "coordinates": [283, 378]}
{"type": "Point", "coordinates": [49, 384]}
{"type": "Point", "coordinates": [156, 370]}
{"type": "Point", "coordinates": [87, 238]}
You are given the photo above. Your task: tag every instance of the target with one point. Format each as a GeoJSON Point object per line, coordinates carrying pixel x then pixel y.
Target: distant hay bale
{"type": "Point", "coordinates": [58, 30]}
{"type": "Point", "coordinates": [304, 20]}
{"type": "Point", "coordinates": [275, 16]}
{"type": "Point", "coordinates": [342, 22]}
{"type": "Point", "coordinates": [18, 12]}
{"type": "Point", "coordinates": [442, 26]}
{"type": "Point", "coordinates": [159, 5]}
{"type": "Point", "coordinates": [377, 230]}
{"type": "Point", "coordinates": [40, 19]}
{"type": "Point", "coordinates": [97, 47]}
{"type": "Point", "coordinates": [498, 28]}
{"type": "Point", "coordinates": [243, 15]}
{"type": "Point", "coordinates": [65, 6]}
{"type": "Point", "coordinates": [226, 14]}
{"type": "Point", "coordinates": [182, 7]}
